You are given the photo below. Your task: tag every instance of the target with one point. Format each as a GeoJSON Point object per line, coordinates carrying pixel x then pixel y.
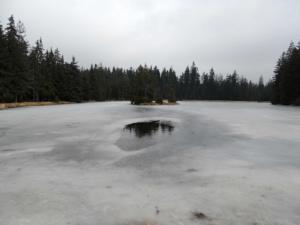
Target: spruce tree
{"type": "Point", "coordinates": [212, 87]}
{"type": "Point", "coordinates": [36, 58]}
{"type": "Point", "coordinates": [286, 80]}
{"type": "Point", "coordinates": [4, 89]}
{"type": "Point", "coordinates": [17, 61]}
{"type": "Point", "coordinates": [194, 81]}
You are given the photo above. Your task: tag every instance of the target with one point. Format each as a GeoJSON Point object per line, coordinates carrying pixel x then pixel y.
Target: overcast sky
{"type": "Point", "coordinates": [246, 35]}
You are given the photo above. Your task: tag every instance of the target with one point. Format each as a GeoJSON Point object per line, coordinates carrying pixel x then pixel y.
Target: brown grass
{"type": "Point", "coordinates": [26, 104]}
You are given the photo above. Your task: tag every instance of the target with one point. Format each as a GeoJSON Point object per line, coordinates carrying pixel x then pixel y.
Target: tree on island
{"type": "Point", "coordinates": [149, 85]}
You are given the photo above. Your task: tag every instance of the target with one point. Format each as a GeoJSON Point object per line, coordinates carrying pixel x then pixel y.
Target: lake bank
{"type": "Point", "coordinates": [29, 104]}
{"type": "Point", "coordinates": [26, 104]}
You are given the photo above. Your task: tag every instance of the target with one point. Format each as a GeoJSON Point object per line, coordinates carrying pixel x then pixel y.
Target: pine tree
{"type": "Point", "coordinates": [278, 74]}
{"type": "Point", "coordinates": [212, 87]}
{"type": "Point", "coordinates": [261, 89]}
{"type": "Point", "coordinates": [205, 87]}
{"type": "Point", "coordinates": [172, 86]}
{"type": "Point", "coordinates": [4, 91]}
{"type": "Point", "coordinates": [36, 58]}
{"type": "Point", "coordinates": [186, 84]}
{"type": "Point", "coordinates": [286, 80]}
{"type": "Point", "coordinates": [16, 63]}
{"type": "Point", "coordinates": [194, 82]}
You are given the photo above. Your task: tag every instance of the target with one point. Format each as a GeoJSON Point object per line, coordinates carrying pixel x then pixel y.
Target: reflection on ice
{"type": "Point", "coordinates": [149, 128]}
{"type": "Point", "coordinates": [140, 135]}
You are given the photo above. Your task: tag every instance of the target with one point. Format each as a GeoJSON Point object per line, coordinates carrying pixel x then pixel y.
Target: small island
{"type": "Point", "coordinates": [150, 87]}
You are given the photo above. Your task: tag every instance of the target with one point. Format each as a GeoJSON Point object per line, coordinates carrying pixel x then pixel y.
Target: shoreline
{"type": "Point", "coordinates": [13, 105]}
{"type": "Point", "coordinates": [157, 104]}
{"type": "Point", "coordinates": [4, 106]}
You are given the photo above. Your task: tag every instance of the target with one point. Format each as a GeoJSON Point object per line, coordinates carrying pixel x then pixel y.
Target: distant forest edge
{"type": "Point", "coordinates": [35, 74]}
{"type": "Point", "coordinates": [286, 80]}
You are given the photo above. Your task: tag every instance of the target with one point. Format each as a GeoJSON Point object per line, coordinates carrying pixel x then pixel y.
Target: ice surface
{"type": "Point", "coordinates": [237, 163]}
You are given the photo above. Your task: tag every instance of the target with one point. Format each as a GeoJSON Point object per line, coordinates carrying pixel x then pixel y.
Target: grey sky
{"type": "Point", "coordinates": [246, 35]}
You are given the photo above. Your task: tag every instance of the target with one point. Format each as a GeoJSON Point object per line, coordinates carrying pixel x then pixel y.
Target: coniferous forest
{"type": "Point", "coordinates": [286, 80]}
{"type": "Point", "coordinates": [35, 74]}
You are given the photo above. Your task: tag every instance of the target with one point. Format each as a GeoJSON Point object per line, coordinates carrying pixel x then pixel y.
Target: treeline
{"type": "Point", "coordinates": [210, 86]}
{"type": "Point", "coordinates": [35, 74]}
{"type": "Point", "coordinates": [286, 89]}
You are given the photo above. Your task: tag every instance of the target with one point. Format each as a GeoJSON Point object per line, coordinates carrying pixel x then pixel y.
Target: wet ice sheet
{"type": "Point", "coordinates": [238, 163]}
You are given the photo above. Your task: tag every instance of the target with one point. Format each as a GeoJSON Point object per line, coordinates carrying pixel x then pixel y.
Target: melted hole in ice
{"type": "Point", "coordinates": [136, 136]}
{"type": "Point", "coordinates": [142, 129]}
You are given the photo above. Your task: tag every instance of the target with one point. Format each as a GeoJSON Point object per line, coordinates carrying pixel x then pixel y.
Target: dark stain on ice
{"type": "Point", "coordinates": [138, 222]}
{"type": "Point", "coordinates": [199, 215]}
{"type": "Point", "coordinates": [157, 211]}
{"type": "Point", "coordinates": [72, 125]}
{"type": "Point", "coordinates": [79, 151]}
{"type": "Point", "coordinates": [140, 135]}
{"type": "Point", "coordinates": [8, 150]}
{"type": "Point", "coordinates": [192, 170]}
{"type": "Point", "coordinates": [3, 131]}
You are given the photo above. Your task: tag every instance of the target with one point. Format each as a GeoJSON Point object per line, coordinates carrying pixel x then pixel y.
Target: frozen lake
{"type": "Point", "coordinates": [106, 164]}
